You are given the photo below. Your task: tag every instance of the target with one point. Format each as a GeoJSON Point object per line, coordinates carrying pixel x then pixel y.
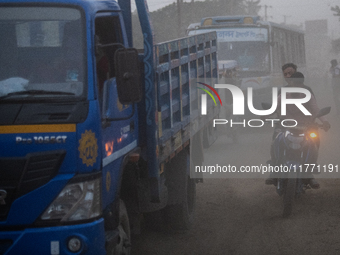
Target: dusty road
{"type": "Point", "coordinates": [243, 216]}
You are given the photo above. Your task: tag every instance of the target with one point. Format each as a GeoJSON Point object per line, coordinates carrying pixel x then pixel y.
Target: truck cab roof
{"type": "Point", "coordinates": [88, 5]}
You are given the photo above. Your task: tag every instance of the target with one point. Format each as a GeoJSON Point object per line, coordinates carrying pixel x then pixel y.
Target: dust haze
{"type": "Point", "coordinates": [244, 216]}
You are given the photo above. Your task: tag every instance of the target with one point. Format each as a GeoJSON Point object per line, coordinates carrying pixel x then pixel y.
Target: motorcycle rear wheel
{"type": "Point", "coordinates": [288, 197]}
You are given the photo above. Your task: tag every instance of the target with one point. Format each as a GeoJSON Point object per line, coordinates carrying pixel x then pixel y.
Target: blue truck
{"type": "Point", "coordinates": [94, 133]}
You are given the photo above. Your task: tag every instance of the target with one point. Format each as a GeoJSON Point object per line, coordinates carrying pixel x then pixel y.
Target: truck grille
{"type": "Point", "coordinates": [18, 176]}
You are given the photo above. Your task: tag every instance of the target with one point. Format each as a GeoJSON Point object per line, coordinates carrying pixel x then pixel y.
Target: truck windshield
{"type": "Point", "coordinates": [43, 50]}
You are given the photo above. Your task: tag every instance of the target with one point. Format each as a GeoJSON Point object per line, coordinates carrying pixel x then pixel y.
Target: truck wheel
{"type": "Point", "coordinates": [209, 135]}
{"type": "Point", "coordinates": [181, 216]}
{"type": "Point", "coordinates": [124, 241]}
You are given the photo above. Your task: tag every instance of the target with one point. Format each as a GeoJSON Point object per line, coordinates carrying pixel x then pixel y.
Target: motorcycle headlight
{"type": "Point", "coordinates": [313, 135]}
{"type": "Point", "coordinates": [294, 141]}
{"type": "Point", "coordinates": [77, 201]}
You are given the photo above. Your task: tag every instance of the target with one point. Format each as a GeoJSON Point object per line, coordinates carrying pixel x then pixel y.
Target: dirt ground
{"type": "Point", "coordinates": [244, 216]}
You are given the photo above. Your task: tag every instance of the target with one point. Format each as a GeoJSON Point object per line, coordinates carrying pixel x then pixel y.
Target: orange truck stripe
{"type": "Point", "coordinates": [54, 128]}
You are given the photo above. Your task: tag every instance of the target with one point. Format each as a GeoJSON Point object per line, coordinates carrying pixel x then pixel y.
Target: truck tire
{"type": "Point", "coordinates": [209, 135]}
{"type": "Point", "coordinates": [180, 216]}
{"type": "Point", "coordinates": [124, 241]}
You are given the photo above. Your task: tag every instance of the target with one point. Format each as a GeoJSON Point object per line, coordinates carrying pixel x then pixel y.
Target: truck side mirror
{"type": "Point", "coordinates": [128, 75]}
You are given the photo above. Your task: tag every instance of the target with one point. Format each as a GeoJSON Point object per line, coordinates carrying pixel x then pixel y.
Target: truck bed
{"type": "Point", "coordinates": [179, 63]}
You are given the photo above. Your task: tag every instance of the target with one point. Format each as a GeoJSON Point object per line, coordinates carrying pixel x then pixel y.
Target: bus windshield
{"type": "Point", "coordinates": [42, 54]}
{"type": "Point", "coordinates": [246, 45]}
{"type": "Point", "coordinates": [250, 56]}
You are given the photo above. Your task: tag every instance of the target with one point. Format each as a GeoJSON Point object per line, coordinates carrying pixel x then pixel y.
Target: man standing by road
{"type": "Point", "coordinates": [335, 71]}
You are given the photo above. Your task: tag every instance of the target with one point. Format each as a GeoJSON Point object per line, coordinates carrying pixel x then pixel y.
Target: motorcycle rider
{"type": "Point", "coordinates": [288, 70]}
{"type": "Point", "coordinates": [292, 112]}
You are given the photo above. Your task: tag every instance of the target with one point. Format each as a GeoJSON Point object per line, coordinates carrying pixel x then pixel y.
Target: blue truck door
{"type": "Point", "coordinates": [119, 125]}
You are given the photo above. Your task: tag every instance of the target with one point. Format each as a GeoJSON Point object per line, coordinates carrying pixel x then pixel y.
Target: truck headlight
{"type": "Point", "coordinates": [77, 201]}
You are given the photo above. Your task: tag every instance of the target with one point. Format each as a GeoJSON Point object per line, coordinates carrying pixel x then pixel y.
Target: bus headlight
{"type": "Point", "coordinates": [77, 201]}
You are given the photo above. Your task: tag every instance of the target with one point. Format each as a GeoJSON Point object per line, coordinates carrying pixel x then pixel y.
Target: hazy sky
{"type": "Point", "coordinates": [296, 11]}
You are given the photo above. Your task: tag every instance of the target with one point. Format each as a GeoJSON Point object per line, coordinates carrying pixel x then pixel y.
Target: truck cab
{"type": "Point", "coordinates": [93, 133]}
{"type": "Point", "coordinates": [60, 142]}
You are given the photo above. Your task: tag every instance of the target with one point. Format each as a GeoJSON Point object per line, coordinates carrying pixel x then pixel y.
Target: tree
{"type": "Point", "coordinates": [253, 7]}
{"type": "Point", "coordinates": [336, 9]}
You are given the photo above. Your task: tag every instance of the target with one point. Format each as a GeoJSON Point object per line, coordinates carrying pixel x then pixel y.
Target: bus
{"type": "Point", "coordinates": [260, 48]}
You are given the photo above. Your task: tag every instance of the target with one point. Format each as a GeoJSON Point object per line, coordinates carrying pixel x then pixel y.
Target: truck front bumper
{"type": "Point", "coordinates": [55, 240]}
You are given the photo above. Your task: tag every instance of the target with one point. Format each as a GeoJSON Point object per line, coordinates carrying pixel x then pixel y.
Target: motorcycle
{"type": "Point", "coordinates": [295, 151]}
